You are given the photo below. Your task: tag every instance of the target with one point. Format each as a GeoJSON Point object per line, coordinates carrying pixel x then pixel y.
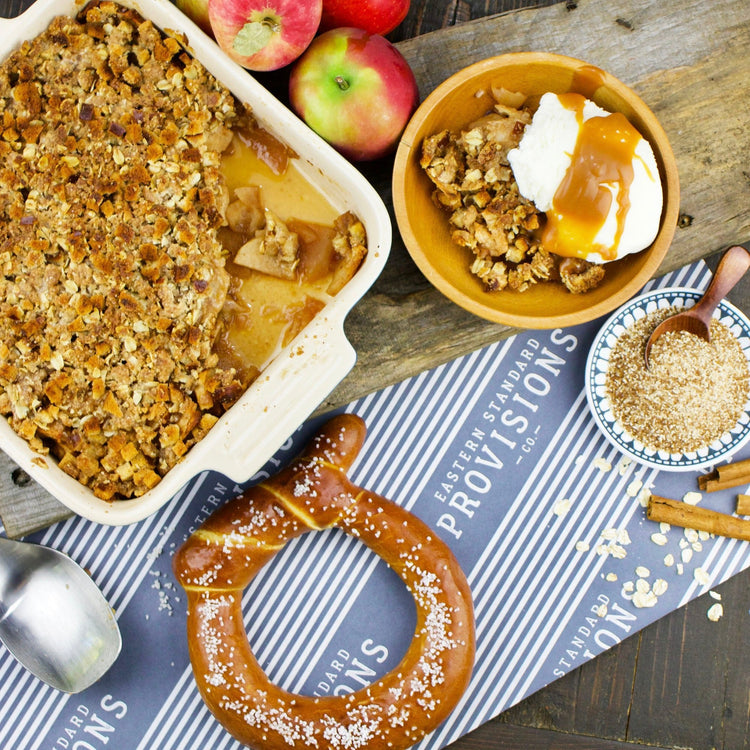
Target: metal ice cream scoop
{"type": "Point", "coordinates": [732, 267]}
{"type": "Point", "coordinates": [53, 617]}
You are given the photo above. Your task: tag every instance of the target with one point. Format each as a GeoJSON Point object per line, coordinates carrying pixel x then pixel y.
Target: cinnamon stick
{"type": "Point", "coordinates": [735, 470]}
{"type": "Point", "coordinates": [677, 513]}
{"type": "Point", "coordinates": [743, 505]}
{"type": "Point", "coordinates": [726, 476]}
{"type": "Point", "coordinates": [709, 483]}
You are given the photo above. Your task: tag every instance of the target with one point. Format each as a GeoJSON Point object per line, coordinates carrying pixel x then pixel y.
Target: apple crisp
{"type": "Point", "coordinates": [114, 284]}
{"type": "Point", "coordinates": [474, 184]}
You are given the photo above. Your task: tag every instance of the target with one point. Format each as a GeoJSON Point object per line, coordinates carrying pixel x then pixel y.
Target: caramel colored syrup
{"type": "Point", "coordinates": [602, 161]}
{"type": "Point", "coordinates": [587, 79]}
{"type": "Point", "coordinates": [263, 313]}
{"type": "Point", "coordinates": [255, 160]}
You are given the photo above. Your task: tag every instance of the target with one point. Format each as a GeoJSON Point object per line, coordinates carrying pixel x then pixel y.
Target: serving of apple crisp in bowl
{"type": "Point", "coordinates": [178, 255]}
{"type": "Point", "coordinates": [535, 190]}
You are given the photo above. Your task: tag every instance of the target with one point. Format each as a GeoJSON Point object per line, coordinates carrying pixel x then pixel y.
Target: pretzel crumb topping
{"type": "Point", "coordinates": [115, 292]}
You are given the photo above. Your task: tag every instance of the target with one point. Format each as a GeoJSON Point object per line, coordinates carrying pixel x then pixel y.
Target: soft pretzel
{"type": "Point", "coordinates": [221, 558]}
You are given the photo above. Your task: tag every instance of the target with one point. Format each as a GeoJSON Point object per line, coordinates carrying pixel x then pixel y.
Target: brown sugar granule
{"type": "Point", "coordinates": [112, 276]}
{"type": "Point", "coordinates": [691, 394]}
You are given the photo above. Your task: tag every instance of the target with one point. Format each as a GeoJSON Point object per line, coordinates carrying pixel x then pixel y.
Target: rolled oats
{"type": "Point", "coordinates": [701, 576]}
{"type": "Point", "coordinates": [715, 612]}
{"type": "Point", "coordinates": [692, 498]}
{"type": "Point", "coordinates": [645, 599]}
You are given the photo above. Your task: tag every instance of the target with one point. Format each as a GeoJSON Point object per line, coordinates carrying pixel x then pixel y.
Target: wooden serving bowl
{"type": "Point", "coordinates": [464, 97]}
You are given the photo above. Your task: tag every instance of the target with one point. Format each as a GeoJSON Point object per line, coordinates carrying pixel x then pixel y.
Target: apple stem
{"type": "Point", "coordinates": [343, 84]}
{"type": "Point", "coordinates": [272, 23]}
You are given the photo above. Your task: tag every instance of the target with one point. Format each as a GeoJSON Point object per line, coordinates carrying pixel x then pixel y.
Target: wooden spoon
{"type": "Point", "coordinates": [732, 267]}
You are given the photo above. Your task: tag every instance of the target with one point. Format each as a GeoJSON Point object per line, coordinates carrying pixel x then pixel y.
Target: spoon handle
{"type": "Point", "coordinates": [732, 267]}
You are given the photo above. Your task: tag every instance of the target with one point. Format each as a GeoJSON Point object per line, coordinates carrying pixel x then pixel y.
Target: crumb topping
{"type": "Point", "coordinates": [474, 184]}
{"type": "Point", "coordinates": [118, 318]}
{"type": "Point", "coordinates": [112, 274]}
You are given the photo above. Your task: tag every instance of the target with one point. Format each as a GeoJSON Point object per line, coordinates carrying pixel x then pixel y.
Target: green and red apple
{"type": "Point", "coordinates": [264, 34]}
{"type": "Point", "coordinates": [374, 16]}
{"type": "Point", "coordinates": [356, 90]}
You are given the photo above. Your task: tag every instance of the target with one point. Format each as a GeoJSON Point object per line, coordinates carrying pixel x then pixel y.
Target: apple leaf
{"type": "Point", "coordinates": [252, 38]}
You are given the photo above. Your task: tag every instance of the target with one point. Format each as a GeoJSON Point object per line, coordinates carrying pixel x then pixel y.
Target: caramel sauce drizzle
{"type": "Point", "coordinates": [602, 164]}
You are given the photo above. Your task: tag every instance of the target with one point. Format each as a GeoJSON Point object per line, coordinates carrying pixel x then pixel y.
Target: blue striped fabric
{"type": "Point", "coordinates": [498, 453]}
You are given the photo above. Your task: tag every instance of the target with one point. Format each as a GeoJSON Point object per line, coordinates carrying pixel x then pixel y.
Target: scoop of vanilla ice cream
{"type": "Point", "coordinates": [544, 155]}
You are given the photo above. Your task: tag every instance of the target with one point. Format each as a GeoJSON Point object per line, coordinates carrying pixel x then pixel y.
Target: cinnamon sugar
{"type": "Point", "coordinates": [692, 393]}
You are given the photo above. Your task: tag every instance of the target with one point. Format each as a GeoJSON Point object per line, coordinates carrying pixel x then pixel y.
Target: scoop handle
{"type": "Point", "coordinates": [732, 267]}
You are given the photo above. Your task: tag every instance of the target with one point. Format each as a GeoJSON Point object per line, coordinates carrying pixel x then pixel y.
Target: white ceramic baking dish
{"type": "Point", "coordinates": [304, 373]}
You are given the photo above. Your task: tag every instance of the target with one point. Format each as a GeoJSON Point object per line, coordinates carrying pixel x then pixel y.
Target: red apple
{"type": "Point", "coordinates": [196, 11]}
{"type": "Point", "coordinates": [264, 34]}
{"type": "Point", "coordinates": [375, 16]}
{"type": "Point", "coordinates": [356, 90]}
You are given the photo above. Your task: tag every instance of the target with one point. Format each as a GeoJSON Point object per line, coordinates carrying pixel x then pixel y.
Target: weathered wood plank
{"type": "Point", "coordinates": [592, 700]}
{"type": "Point", "coordinates": [26, 506]}
{"type": "Point", "coordinates": [493, 736]}
{"type": "Point", "coordinates": [424, 17]}
{"type": "Point", "coordinates": [13, 8]}
{"type": "Point", "coordinates": [692, 685]}
{"type": "Point", "coordinates": [735, 717]}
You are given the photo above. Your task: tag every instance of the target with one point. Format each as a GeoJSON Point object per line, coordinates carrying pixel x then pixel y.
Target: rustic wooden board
{"type": "Point", "coordinates": [690, 666]}
{"type": "Point", "coordinates": [688, 61]}
{"type": "Point", "coordinates": [492, 736]}
{"type": "Point", "coordinates": [587, 701]}
{"type": "Point", "coordinates": [25, 507]}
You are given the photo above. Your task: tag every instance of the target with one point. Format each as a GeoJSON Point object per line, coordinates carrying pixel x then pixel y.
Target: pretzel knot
{"type": "Point", "coordinates": [221, 558]}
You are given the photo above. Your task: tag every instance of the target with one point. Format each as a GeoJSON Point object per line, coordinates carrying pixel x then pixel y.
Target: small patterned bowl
{"type": "Point", "coordinates": [596, 372]}
{"type": "Point", "coordinates": [424, 227]}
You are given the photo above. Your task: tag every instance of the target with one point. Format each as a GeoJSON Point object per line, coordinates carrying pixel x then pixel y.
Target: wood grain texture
{"type": "Point", "coordinates": [566, 705]}
{"type": "Point", "coordinates": [26, 507]}
{"type": "Point", "coordinates": [690, 666]}
{"type": "Point", "coordinates": [493, 736]}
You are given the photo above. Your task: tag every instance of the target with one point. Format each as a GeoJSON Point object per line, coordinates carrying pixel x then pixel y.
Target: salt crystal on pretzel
{"type": "Point", "coordinates": [220, 559]}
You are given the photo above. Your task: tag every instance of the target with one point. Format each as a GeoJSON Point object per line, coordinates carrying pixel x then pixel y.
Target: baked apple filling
{"type": "Point", "coordinates": [290, 251]}
{"type": "Point", "coordinates": [150, 263]}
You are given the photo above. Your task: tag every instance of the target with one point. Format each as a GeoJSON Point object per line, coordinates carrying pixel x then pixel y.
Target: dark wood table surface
{"type": "Point", "coordinates": [681, 683]}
